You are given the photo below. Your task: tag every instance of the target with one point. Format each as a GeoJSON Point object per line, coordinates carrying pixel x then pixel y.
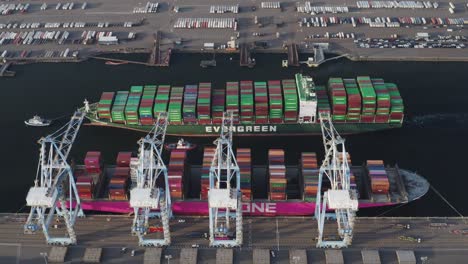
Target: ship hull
{"type": "Point", "coordinates": [212, 130]}
{"type": "Point", "coordinates": [267, 208]}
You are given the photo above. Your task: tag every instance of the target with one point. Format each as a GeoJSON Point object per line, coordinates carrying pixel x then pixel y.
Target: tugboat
{"type": "Point", "coordinates": [38, 121]}
{"type": "Point", "coordinates": [181, 144]}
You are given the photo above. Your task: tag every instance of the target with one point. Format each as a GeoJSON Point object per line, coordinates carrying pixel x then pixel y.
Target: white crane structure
{"type": "Point", "coordinates": [54, 178]}
{"type": "Point", "coordinates": [339, 198]}
{"type": "Point", "coordinates": [222, 198]}
{"type": "Point", "coordinates": [147, 195]}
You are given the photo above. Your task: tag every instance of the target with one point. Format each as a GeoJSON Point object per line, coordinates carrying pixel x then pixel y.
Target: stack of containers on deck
{"type": "Point", "coordinates": [368, 99]}
{"type": "Point", "coordinates": [397, 108]}
{"type": "Point", "coordinates": [146, 105]}
{"type": "Point", "coordinates": [176, 173]}
{"type": "Point", "coordinates": [246, 102]}
{"type": "Point", "coordinates": [162, 99]}
{"type": "Point", "coordinates": [190, 104]}
{"type": "Point", "coordinates": [175, 105]}
{"type": "Point", "coordinates": [218, 105]}
{"type": "Point", "coordinates": [353, 114]}
{"type": "Point", "coordinates": [232, 99]}
{"type": "Point", "coordinates": [204, 103]}
{"type": "Point", "coordinates": [378, 177]}
{"type": "Point", "coordinates": [244, 160]}
{"type": "Point", "coordinates": [118, 182]}
{"type": "Point", "coordinates": [133, 102]}
{"type": "Point", "coordinates": [310, 173]}
{"type": "Point", "coordinates": [323, 103]}
{"type": "Point", "coordinates": [104, 106]}
{"type": "Point", "coordinates": [84, 179]}
{"type": "Point", "coordinates": [291, 103]}
{"type": "Point", "coordinates": [276, 102]}
{"type": "Point", "coordinates": [205, 173]}
{"type": "Point", "coordinates": [277, 174]}
{"type": "Point", "coordinates": [119, 106]}
{"type": "Point", "coordinates": [261, 103]}
{"type": "Point", "coordinates": [383, 101]}
{"type": "Point", "coordinates": [337, 93]}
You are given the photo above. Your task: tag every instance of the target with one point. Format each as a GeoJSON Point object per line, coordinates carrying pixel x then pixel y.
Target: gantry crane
{"type": "Point", "coordinates": [48, 196]}
{"type": "Point", "coordinates": [222, 198]}
{"type": "Point", "coordinates": [339, 198]}
{"type": "Point", "coordinates": [147, 195]}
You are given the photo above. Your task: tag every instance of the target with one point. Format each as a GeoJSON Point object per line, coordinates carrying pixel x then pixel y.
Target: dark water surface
{"type": "Point", "coordinates": [432, 142]}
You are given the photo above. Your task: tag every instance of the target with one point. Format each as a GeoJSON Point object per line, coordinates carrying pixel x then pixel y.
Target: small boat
{"type": "Point", "coordinates": [114, 63]}
{"type": "Point", "coordinates": [38, 121]}
{"type": "Point", "coordinates": [181, 144]}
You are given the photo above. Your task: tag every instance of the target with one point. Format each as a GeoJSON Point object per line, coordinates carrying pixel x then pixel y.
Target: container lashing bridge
{"type": "Point", "coordinates": [47, 197]}
{"type": "Point", "coordinates": [222, 198]}
{"type": "Point", "coordinates": [147, 195]}
{"type": "Point", "coordinates": [339, 198]}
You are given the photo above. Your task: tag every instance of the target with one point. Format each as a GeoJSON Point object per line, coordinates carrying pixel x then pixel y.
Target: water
{"type": "Point", "coordinates": [432, 141]}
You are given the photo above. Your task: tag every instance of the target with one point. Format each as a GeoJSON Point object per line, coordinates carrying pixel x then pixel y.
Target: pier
{"type": "Point", "coordinates": [293, 56]}
{"type": "Point", "coordinates": [159, 56]}
{"type": "Point", "coordinates": [245, 58]}
{"type": "Point", "coordinates": [443, 240]}
{"type": "Point", "coordinates": [4, 72]}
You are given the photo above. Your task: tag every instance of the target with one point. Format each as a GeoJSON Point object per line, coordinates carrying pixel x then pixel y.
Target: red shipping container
{"type": "Point", "coordinates": [123, 159]}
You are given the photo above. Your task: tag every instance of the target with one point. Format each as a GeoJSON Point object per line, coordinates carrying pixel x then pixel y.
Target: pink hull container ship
{"type": "Point", "coordinates": [105, 188]}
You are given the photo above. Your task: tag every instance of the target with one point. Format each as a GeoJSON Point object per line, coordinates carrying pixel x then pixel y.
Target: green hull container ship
{"type": "Point", "coordinates": [281, 107]}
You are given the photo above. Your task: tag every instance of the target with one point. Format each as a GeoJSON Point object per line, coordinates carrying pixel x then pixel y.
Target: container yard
{"type": "Point", "coordinates": [274, 107]}
{"type": "Point", "coordinates": [123, 27]}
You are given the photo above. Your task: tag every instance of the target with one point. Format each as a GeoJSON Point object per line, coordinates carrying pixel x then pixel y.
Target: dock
{"type": "Point", "coordinates": [4, 72]}
{"type": "Point", "coordinates": [245, 56]}
{"type": "Point", "coordinates": [103, 236]}
{"type": "Point", "coordinates": [159, 56]}
{"type": "Point", "coordinates": [293, 55]}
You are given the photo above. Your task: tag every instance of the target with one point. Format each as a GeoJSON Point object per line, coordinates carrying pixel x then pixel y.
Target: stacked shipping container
{"type": "Point", "coordinates": [353, 114]}
{"type": "Point", "coordinates": [118, 182]}
{"type": "Point", "coordinates": [261, 103]}
{"type": "Point", "coordinates": [277, 174]}
{"type": "Point", "coordinates": [368, 99]}
{"type": "Point", "coordinates": [104, 105]}
{"type": "Point", "coordinates": [119, 106]}
{"type": "Point", "coordinates": [246, 102]}
{"type": "Point", "coordinates": [397, 108]}
{"type": "Point", "coordinates": [175, 105]}
{"type": "Point", "coordinates": [276, 102]}
{"type": "Point", "coordinates": [218, 105]}
{"type": "Point", "coordinates": [378, 177]}
{"type": "Point", "coordinates": [232, 99]}
{"type": "Point", "coordinates": [146, 105]}
{"type": "Point", "coordinates": [290, 101]}
{"type": "Point", "coordinates": [87, 179]}
{"type": "Point", "coordinates": [337, 94]}
{"type": "Point", "coordinates": [244, 160]}
{"type": "Point", "coordinates": [161, 100]}
{"type": "Point", "coordinates": [310, 174]}
{"type": "Point", "coordinates": [190, 103]}
{"type": "Point", "coordinates": [176, 173]}
{"type": "Point", "coordinates": [133, 102]}
{"type": "Point", "coordinates": [383, 101]}
{"type": "Point", "coordinates": [323, 104]}
{"type": "Point", "coordinates": [204, 103]}
{"type": "Point", "coordinates": [205, 173]}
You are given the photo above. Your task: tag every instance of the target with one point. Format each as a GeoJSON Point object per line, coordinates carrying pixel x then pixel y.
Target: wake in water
{"type": "Point", "coordinates": [453, 120]}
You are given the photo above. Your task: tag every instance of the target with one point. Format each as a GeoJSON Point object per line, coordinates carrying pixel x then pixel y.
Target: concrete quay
{"type": "Point", "coordinates": [281, 236]}
{"type": "Point", "coordinates": [192, 40]}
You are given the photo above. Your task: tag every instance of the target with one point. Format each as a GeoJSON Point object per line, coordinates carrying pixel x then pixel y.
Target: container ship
{"type": "Point", "coordinates": [275, 107]}
{"type": "Point", "coordinates": [274, 189]}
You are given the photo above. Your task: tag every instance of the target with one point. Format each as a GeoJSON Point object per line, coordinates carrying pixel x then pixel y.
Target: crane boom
{"type": "Point", "coordinates": [222, 198]}
{"type": "Point", "coordinates": [50, 185]}
{"type": "Point", "coordinates": [147, 195]}
{"type": "Point", "coordinates": [339, 198]}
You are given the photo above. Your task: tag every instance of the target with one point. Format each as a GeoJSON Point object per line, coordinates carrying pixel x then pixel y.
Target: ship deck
{"type": "Point", "coordinates": [112, 232]}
